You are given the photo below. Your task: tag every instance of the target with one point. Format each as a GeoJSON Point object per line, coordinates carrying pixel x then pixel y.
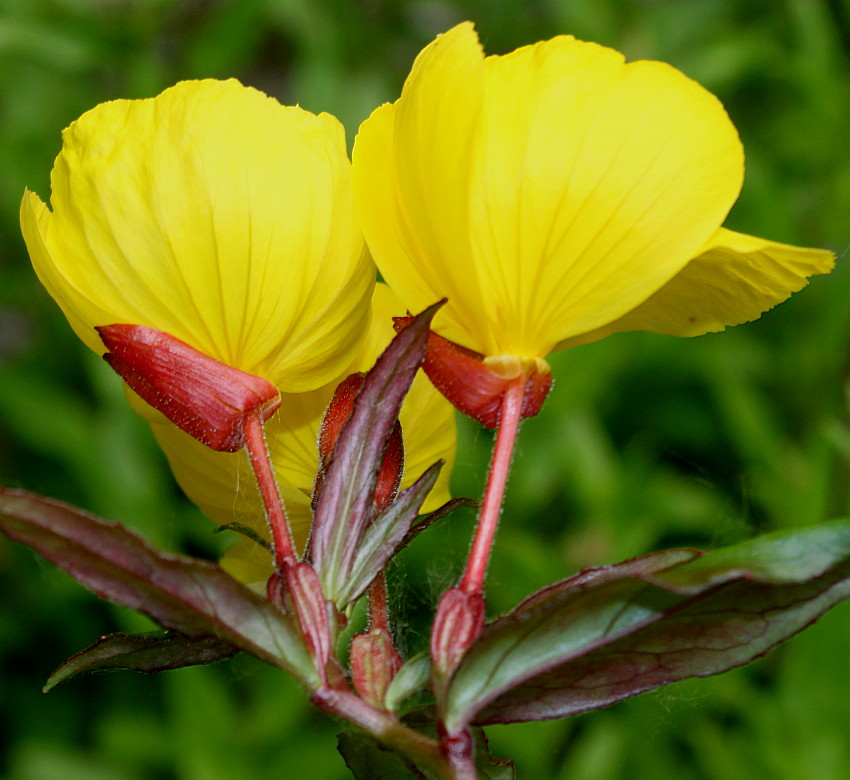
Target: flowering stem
{"type": "Point", "coordinates": [386, 728]}
{"type": "Point", "coordinates": [460, 752]}
{"type": "Point", "coordinates": [255, 444]}
{"type": "Point", "coordinates": [491, 505]}
{"type": "Point", "coordinates": [379, 616]}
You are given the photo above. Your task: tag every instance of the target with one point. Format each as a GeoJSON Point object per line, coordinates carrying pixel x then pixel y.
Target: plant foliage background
{"type": "Point", "coordinates": [645, 442]}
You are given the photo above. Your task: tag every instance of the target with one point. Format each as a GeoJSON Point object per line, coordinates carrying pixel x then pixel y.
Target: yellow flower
{"type": "Point", "coordinates": [556, 195]}
{"type": "Point", "coordinates": [213, 213]}
{"type": "Point", "coordinates": [223, 486]}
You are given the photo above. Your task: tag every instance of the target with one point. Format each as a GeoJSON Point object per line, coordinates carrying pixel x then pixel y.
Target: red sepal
{"type": "Point", "coordinates": [202, 396]}
{"type": "Point", "coordinates": [473, 387]}
{"type": "Point", "coordinates": [336, 415]}
{"type": "Point", "coordinates": [338, 411]}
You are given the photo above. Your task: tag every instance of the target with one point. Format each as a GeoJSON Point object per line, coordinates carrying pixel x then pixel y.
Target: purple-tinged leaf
{"type": "Point", "coordinates": [785, 557]}
{"type": "Point", "coordinates": [728, 627]}
{"type": "Point", "coordinates": [368, 759]}
{"type": "Point", "coordinates": [613, 632]}
{"type": "Point", "coordinates": [383, 538]}
{"type": "Point", "coordinates": [149, 653]}
{"type": "Point", "coordinates": [343, 509]}
{"type": "Point", "coordinates": [298, 588]}
{"type": "Point", "coordinates": [438, 514]}
{"type": "Point", "coordinates": [193, 597]}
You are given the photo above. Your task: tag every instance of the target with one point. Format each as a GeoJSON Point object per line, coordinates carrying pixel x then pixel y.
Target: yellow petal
{"type": "Point", "coordinates": [248, 562]}
{"type": "Point", "coordinates": [734, 279]}
{"type": "Point", "coordinates": [412, 181]}
{"type": "Point", "coordinates": [223, 485]}
{"type": "Point", "coordinates": [213, 213]}
{"type": "Point", "coordinates": [545, 193]}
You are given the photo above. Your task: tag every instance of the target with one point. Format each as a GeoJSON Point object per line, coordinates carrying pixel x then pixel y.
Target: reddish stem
{"type": "Point", "coordinates": [379, 613]}
{"type": "Point", "coordinates": [460, 752]}
{"type": "Point", "coordinates": [386, 728]}
{"type": "Point", "coordinates": [255, 444]}
{"type": "Point", "coordinates": [491, 504]}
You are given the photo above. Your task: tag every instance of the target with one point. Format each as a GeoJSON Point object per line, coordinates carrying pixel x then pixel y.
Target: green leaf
{"type": "Point", "coordinates": [385, 536]}
{"type": "Point", "coordinates": [782, 557]}
{"type": "Point", "coordinates": [439, 513]}
{"type": "Point", "coordinates": [490, 768]}
{"type": "Point", "coordinates": [411, 678]}
{"type": "Point", "coordinates": [150, 653]}
{"type": "Point", "coordinates": [183, 594]}
{"type": "Point", "coordinates": [617, 631]}
{"type": "Point", "coordinates": [367, 759]}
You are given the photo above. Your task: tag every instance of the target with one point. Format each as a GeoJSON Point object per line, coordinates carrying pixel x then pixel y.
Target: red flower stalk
{"type": "Point", "coordinates": [474, 387]}
{"type": "Point", "coordinates": [202, 396]}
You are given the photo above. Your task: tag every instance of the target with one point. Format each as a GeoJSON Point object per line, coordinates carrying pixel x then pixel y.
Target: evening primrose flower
{"type": "Point", "coordinates": [217, 215]}
{"type": "Point", "coordinates": [222, 485]}
{"type": "Point", "coordinates": [556, 195]}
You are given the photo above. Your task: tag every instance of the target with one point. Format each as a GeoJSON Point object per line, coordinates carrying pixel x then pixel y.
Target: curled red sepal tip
{"type": "Point", "coordinates": [202, 396]}
{"type": "Point", "coordinates": [475, 387]}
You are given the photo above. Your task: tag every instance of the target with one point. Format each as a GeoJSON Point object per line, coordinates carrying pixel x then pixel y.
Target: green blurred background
{"type": "Point", "coordinates": [646, 441]}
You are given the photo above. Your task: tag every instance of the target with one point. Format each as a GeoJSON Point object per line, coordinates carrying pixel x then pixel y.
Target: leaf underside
{"type": "Point", "coordinates": [616, 631]}
{"type": "Point", "coordinates": [367, 759]}
{"type": "Point", "coordinates": [149, 653]}
{"type": "Point", "coordinates": [193, 597]}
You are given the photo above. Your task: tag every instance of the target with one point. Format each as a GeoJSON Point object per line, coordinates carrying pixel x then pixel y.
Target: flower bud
{"type": "Point", "coordinates": [297, 591]}
{"type": "Point", "coordinates": [475, 385]}
{"type": "Point", "coordinates": [374, 662]}
{"type": "Point", "coordinates": [204, 397]}
{"type": "Point", "coordinates": [457, 624]}
{"type": "Point", "coordinates": [338, 412]}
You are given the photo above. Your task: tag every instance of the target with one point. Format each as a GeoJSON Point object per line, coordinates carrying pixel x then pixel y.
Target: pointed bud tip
{"type": "Point", "coordinates": [457, 624]}
{"type": "Point", "coordinates": [202, 396]}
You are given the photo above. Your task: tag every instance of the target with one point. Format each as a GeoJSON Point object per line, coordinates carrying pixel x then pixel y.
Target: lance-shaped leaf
{"type": "Point", "coordinates": [438, 514]}
{"type": "Point", "coordinates": [343, 509]}
{"type": "Point", "coordinates": [385, 536]}
{"type": "Point", "coordinates": [617, 631]}
{"type": "Point", "coordinates": [150, 653]}
{"type": "Point", "coordinates": [368, 759]}
{"type": "Point", "coordinates": [409, 680]}
{"type": "Point", "coordinates": [193, 597]}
